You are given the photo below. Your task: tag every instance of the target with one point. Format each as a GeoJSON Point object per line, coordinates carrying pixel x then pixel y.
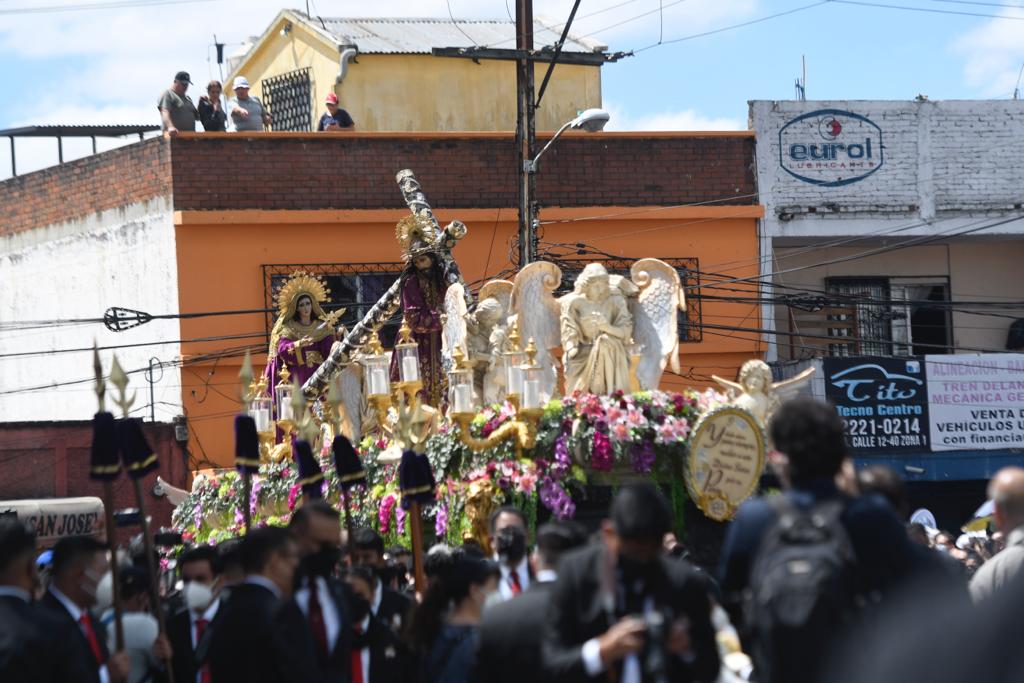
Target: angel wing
{"type": "Point", "coordinates": [788, 388]}
{"type": "Point", "coordinates": [537, 313]}
{"type": "Point", "coordinates": [501, 291]}
{"type": "Point", "coordinates": [455, 332]}
{"type": "Point", "coordinates": [655, 314]}
{"type": "Point", "coordinates": [351, 379]}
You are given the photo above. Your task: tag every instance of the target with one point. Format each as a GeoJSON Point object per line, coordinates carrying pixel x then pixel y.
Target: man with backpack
{"type": "Point", "coordinates": [799, 568]}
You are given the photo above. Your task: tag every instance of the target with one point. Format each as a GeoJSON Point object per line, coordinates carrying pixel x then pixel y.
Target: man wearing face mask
{"type": "Point", "coordinates": [387, 605]}
{"type": "Point", "coordinates": [509, 542]}
{"type": "Point", "coordinates": [321, 598]}
{"type": "Point", "coordinates": [621, 606]}
{"type": "Point", "coordinates": [200, 574]}
{"type": "Point", "coordinates": [79, 563]}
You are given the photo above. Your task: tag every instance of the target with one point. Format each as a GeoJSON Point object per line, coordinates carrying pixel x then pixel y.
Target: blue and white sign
{"type": "Point", "coordinates": [883, 402]}
{"type": "Point", "coordinates": [830, 147]}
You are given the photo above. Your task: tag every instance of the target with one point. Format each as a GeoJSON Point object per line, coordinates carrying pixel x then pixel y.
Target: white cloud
{"type": "Point", "coordinates": [113, 64]}
{"type": "Point", "coordinates": [993, 53]}
{"type": "Point", "coordinates": [686, 119]}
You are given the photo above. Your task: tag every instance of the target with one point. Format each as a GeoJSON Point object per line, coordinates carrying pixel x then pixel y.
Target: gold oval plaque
{"type": "Point", "coordinates": [727, 454]}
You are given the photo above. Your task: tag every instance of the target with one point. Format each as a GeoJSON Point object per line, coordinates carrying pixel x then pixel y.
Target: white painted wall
{"type": "Point", "coordinates": [122, 257]}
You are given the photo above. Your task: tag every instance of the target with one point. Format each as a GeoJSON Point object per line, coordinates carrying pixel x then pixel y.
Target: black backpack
{"type": "Point", "coordinates": [803, 590]}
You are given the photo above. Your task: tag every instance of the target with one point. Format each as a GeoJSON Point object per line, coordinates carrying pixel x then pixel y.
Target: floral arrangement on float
{"type": "Point", "coordinates": [580, 439]}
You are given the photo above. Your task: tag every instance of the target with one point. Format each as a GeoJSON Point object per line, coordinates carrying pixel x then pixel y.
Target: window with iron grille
{"type": "Point", "coordinates": [689, 275]}
{"type": "Point", "coordinates": [288, 98]}
{"type": "Point", "coordinates": [892, 316]}
{"type": "Point", "coordinates": [354, 286]}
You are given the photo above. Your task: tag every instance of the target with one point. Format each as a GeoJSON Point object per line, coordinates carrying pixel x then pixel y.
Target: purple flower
{"type": "Point", "coordinates": [400, 516]}
{"type": "Point", "coordinates": [643, 457]}
{"type": "Point", "coordinates": [563, 462]}
{"type": "Point", "coordinates": [441, 520]}
{"type": "Point", "coordinates": [556, 499]}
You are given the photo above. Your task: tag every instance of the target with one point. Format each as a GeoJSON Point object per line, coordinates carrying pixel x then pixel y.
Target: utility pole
{"type": "Point", "coordinates": [525, 127]}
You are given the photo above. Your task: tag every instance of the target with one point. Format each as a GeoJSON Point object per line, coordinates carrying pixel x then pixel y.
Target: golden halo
{"type": "Point", "coordinates": [298, 284]}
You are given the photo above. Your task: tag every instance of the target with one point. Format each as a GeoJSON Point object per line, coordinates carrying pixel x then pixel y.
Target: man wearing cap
{"type": "Point", "coordinates": [336, 118]}
{"type": "Point", "coordinates": [177, 113]}
{"type": "Point", "coordinates": [247, 113]}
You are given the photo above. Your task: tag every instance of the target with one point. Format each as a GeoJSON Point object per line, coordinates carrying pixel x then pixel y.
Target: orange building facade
{"type": "Point", "coordinates": [246, 211]}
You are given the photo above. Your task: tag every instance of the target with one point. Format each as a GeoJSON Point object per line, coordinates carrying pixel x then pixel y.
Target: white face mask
{"type": "Point", "coordinates": [197, 596]}
{"type": "Point", "coordinates": [104, 592]}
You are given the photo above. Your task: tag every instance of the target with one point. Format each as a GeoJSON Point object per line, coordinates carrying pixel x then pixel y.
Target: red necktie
{"type": "Point", "coordinates": [204, 673]}
{"type": "Point", "coordinates": [513, 579]}
{"type": "Point", "coordinates": [90, 635]}
{"type": "Point", "coordinates": [316, 621]}
{"type": "Point", "coordinates": [357, 659]}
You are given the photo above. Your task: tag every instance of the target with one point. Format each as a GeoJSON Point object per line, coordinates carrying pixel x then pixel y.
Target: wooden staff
{"type": "Point", "coordinates": [416, 526]}
{"type": "Point", "coordinates": [139, 460]}
{"type": "Point", "coordinates": [107, 471]}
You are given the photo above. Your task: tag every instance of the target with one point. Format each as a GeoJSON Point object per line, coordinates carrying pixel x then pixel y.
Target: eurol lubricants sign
{"type": "Point", "coordinates": [830, 147]}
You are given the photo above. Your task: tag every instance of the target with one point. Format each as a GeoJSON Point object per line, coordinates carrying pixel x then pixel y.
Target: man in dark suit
{"type": "Point", "coordinates": [79, 562]}
{"type": "Point", "coordinates": [511, 631]}
{"type": "Point", "coordinates": [255, 638]}
{"type": "Point", "coordinates": [31, 641]}
{"type": "Point", "coordinates": [388, 606]}
{"type": "Point", "coordinates": [200, 574]}
{"type": "Point", "coordinates": [382, 656]}
{"type": "Point", "coordinates": [322, 600]}
{"type": "Point", "coordinates": [609, 598]}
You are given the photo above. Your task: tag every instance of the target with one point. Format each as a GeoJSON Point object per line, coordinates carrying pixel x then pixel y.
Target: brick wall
{"type": "Point", "coordinates": [85, 186]}
{"type": "Point", "coordinates": [299, 171]}
{"type": "Point", "coordinates": [51, 460]}
{"type": "Point", "coordinates": [357, 172]}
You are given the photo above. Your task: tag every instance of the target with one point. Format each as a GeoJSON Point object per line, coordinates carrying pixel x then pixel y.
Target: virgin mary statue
{"type": "Point", "coordinates": [303, 334]}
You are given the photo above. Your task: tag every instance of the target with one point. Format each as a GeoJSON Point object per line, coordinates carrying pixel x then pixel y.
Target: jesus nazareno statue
{"type": "Point", "coordinates": [422, 303]}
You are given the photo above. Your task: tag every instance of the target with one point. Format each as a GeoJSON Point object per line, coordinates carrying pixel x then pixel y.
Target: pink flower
{"type": "Point", "coordinates": [620, 432]}
{"type": "Point", "coordinates": [384, 514]}
{"type": "Point", "coordinates": [293, 495]}
{"type": "Point", "coordinates": [528, 482]}
{"type": "Point", "coordinates": [615, 413]}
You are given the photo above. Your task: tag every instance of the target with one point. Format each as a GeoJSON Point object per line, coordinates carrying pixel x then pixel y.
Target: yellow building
{"type": "Point", "coordinates": [386, 77]}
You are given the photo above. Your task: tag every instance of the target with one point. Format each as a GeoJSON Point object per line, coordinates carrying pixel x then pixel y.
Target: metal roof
{"type": "Point", "coordinates": [421, 35]}
{"type": "Point", "coordinates": [77, 131]}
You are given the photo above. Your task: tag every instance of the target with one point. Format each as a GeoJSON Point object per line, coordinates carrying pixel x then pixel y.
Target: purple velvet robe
{"type": "Point", "coordinates": [310, 356]}
{"type": "Point", "coordinates": [422, 305]}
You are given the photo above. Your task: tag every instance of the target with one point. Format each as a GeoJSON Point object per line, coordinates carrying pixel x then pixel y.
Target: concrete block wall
{"type": "Point", "coordinates": [944, 161]}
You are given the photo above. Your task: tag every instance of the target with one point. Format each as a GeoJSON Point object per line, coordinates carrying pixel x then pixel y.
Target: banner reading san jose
{"type": "Point", "coordinates": [976, 402]}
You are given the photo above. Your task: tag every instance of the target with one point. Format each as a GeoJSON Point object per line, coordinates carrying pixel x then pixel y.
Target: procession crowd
{"type": "Point", "coordinates": [822, 582]}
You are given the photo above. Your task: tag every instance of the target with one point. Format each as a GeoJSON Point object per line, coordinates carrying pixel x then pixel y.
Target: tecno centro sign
{"type": "Point", "coordinates": [830, 147]}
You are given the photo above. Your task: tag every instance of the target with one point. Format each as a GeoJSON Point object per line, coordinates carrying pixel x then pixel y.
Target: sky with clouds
{"type": "Point", "coordinates": [63, 63]}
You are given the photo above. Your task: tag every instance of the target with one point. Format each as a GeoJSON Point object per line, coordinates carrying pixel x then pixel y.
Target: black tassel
{"type": "Point", "coordinates": [247, 445]}
{"type": "Point", "coordinates": [104, 464]}
{"type": "Point", "coordinates": [347, 463]}
{"type": "Point", "coordinates": [136, 454]}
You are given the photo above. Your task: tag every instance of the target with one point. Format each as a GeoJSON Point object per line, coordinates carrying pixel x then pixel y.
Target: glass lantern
{"type": "Point", "coordinates": [514, 359]}
{"type": "Point", "coordinates": [530, 398]}
{"type": "Point", "coordinates": [408, 355]}
{"type": "Point", "coordinates": [283, 394]}
{"type": "Point", "coordinates": [261, 410]}
{"type": "Point", "coordinates": [460, 385]}
{"type": "Point", "coordinates": [378, 371]}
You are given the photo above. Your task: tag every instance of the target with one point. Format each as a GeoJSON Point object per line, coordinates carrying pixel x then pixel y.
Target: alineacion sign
{"type": "Point", "coordinates": [830, 147]}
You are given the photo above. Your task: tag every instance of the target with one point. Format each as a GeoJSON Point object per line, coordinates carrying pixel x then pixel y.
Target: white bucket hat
{"type": "Point", "coordinates": [240, 82]}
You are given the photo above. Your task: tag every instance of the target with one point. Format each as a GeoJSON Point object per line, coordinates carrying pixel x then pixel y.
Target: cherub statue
{"type": "Point", "coordinates": [486, 337]}
{"type": "Point", "coordinates": [756, 392]}
{"type": "Point", "coordinates": [596, 330]}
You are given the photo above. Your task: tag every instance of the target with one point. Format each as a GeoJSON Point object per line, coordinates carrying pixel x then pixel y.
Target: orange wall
{"type": "Point", "coordinates": [220, 255]}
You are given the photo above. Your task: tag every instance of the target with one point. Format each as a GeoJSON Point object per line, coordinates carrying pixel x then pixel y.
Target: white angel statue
{"type": "Point", "coordinates": [536, 313]}
{"type": "Point", "coordinates": [596, 331]}
{"type": "Point", "coordinates": [756, 392]}
{"type": "Point", "coordinates": [488, 334]}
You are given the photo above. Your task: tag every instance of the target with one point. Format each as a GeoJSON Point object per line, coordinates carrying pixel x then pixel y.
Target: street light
{"type": "Point", "coordinates": [592, 121]}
